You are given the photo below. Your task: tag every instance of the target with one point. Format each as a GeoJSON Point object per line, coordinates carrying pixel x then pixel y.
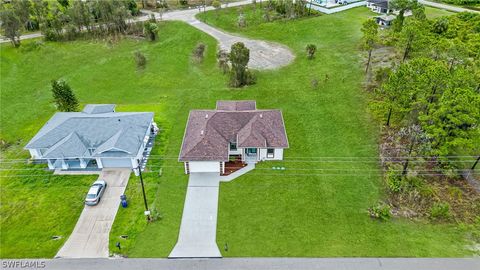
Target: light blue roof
{"type": "Point", "coordinates": [95, 133]}
{"type": "Point", "coordinates": [99, 108]}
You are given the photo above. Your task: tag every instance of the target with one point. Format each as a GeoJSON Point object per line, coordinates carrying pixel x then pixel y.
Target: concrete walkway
{"type": "Point", "coordinates": [197, 238]}
{"type": "Point", "coordinates": [253, 264]}
{"type": "Point", "coordinates": [89, 239]}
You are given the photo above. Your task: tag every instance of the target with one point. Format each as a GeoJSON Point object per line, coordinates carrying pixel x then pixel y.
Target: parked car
{"type": "Point", "coordinates": [95, 192]}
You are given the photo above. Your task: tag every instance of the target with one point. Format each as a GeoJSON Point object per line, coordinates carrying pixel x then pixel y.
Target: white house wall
{"type": "Point", "coordinates": [204, 166]}
{"type": "Point", "coordinates": [277, 154]}
{"type": "Point", "coordinates": [236, 152]}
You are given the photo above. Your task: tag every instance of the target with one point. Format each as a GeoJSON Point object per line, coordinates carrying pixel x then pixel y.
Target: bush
{"type": "Point", "coordinates": [394, 181]}
{"type": "Point", "coordinates": [183, 2]}
{"type": "Point", "coordinates": [50, 35]}
{"type": "Point", "coordinates": [132, 6]}
{"type": "Point", "coordinates": [380, 211]}
{"type": "Point", "coordinates": [71, 32]}
{"type": "Point", "coordinates": [440, 211]}
{"type": "Point", "coordinates": [151, 30]}
{"type": "Point", "coordinates": [222, 58]}
{"type": "Point", "coordinates": [140, 60]}
{"type": "Point", "coordinates": [198, 52]}
{"type": "Point", "coordinates": [242, 22]}
{"type": "Point", "coordinates": [311, 49]}
{"type": "Point", "coordinates": [32, 46]}
{"type": "Point", "coordinates": [455, 193]}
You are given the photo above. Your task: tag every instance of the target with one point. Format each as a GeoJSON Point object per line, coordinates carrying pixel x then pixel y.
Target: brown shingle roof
{"type": "Point", "coordinates": [242, 105]}
{"type": "Point", "coordinates": [209, 132]}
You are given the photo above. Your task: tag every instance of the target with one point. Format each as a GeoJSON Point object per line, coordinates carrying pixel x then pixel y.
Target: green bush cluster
{"type": "Point", "coordinates": [440, 211]}
{"type": "Point", "coordinates": [380, 211]}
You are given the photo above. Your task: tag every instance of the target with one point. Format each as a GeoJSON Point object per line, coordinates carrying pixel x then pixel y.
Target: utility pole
{"type": "Point", "coordinates": [475, 164]}
{"type": "Point", "coordinates": [147, 212]}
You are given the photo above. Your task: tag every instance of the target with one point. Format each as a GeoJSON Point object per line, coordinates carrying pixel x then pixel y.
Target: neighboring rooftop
{"type": "Point", "coordinates": [380, 3]}
{"type": "Point", "coordinates": [209, 132]}
{"type": "Point", "coordinates": [97, 131]}
{"type": "Point", "coordinates": [99, 108]}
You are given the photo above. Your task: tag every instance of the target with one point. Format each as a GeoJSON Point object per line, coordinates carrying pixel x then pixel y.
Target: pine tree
{"type": "Point", "coordinates": [64, 97]}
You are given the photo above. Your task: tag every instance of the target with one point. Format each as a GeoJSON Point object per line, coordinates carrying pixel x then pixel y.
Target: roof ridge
{"type": "Point", "coordinates": [202, 140]}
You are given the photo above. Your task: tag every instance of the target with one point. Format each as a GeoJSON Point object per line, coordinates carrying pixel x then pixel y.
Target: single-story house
{"type": "Point", "coordinates": [97, 137]}
{"type": "Point", "coordinates": [379, 6]}
{"type": "Point", "coordinates": [235, 130]}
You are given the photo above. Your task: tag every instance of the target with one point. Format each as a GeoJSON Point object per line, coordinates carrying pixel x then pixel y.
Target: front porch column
{"type": "Point", "coordinates": [83, 164]}
{"type": "Point", "coordinates": [50, 164]}
{"type": "Point", "coordinates": [64, 165]}
{"type": "Point", "coordinates": [99, 163]}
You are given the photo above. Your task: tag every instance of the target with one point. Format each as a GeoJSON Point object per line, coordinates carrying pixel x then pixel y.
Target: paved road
{"type": "Point", "coordinates": [197, 238]}
{"type": "Point", "coordinates": [254, 264]}
{"type": "Point", "coordinates": [89, 239]}
{"type": "Point", "coordinates": [447, 7]}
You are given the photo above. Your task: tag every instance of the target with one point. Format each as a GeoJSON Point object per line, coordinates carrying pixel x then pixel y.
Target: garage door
{"type": "Point", "coordinates": [204, 166]}
{"type": "Point", "coordinates": [116, 162]}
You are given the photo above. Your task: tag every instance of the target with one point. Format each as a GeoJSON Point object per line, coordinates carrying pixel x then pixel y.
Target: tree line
{"type": "Point", "coordinates": [66, 19]}
{"type": "Point", "coordinates": [431, 94]}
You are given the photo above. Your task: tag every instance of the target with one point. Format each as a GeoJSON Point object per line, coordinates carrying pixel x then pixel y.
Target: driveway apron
{"type": "Point", "coordinates": [89, 238]}
{"type": "Point", "coordinates": [197, 238]}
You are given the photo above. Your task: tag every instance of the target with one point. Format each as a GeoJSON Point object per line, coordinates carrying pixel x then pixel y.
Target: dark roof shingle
{"type": "Point", "coordinates": [209, 132]}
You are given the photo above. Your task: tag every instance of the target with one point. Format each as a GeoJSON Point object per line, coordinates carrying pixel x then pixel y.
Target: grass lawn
{"type": "Point", "coordinates": [436, 12]}
{"type": "Point", "coordinates": [35, 207]}
{"type": "Point", "coordinates": [301, 212]}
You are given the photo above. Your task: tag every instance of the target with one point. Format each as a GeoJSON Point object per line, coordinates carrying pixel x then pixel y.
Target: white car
{"type": "Point", "coordinates": [95, 192]}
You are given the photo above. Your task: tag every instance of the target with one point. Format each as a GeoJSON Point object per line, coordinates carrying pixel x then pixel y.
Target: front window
{"type": "Point", "coordinates": [233, 146]}
{"type": "Point", "coordinates": [270, 153]}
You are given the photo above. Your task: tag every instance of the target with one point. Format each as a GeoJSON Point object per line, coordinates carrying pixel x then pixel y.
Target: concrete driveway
{"type": "Point", "coordinates": [197, 236]}
{"type": "Point", "coordinates": [89, 238]}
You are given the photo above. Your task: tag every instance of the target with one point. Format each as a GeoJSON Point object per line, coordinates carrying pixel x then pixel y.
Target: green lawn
{"type": "Point", "coordinates": [304, 211]}
{"type": "Point", "coordinates": [35, 207]}
{"type": "Point", "coordinates": [435, 12]}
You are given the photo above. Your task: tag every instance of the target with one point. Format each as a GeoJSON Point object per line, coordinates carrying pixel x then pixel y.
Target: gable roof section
{"type": "Point", "coordinates": [209, 132]}
{"type": "Point", "coordinates": [242, 105]}
{"type": "Point", "coordinates": [99, 108]}
{"type": "Point", "coordinates": [70, 146]}
{"type": "Point", "coordinates": [80, 134]}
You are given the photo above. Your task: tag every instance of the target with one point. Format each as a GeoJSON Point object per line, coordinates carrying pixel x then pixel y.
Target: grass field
{"type": "Point", "coordinates": [36, 207]}
{"type": "Point", "coordinates": [435, 12]}
{"type": "Point", "coordinates": [304, 211]}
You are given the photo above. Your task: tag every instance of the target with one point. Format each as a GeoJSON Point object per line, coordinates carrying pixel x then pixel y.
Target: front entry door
{"type": "Point", "coordinates": [251, 152]}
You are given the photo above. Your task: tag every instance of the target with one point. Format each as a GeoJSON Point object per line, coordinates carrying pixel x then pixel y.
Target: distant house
{"type": "Point", "coordinates": [235, 130]}
{"type": "Point", "coordinates": [97, 137]}
{"type": "Point", "coordinates": [379, 6]}
{"type": "Point", "coordinates": [385, 20]}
